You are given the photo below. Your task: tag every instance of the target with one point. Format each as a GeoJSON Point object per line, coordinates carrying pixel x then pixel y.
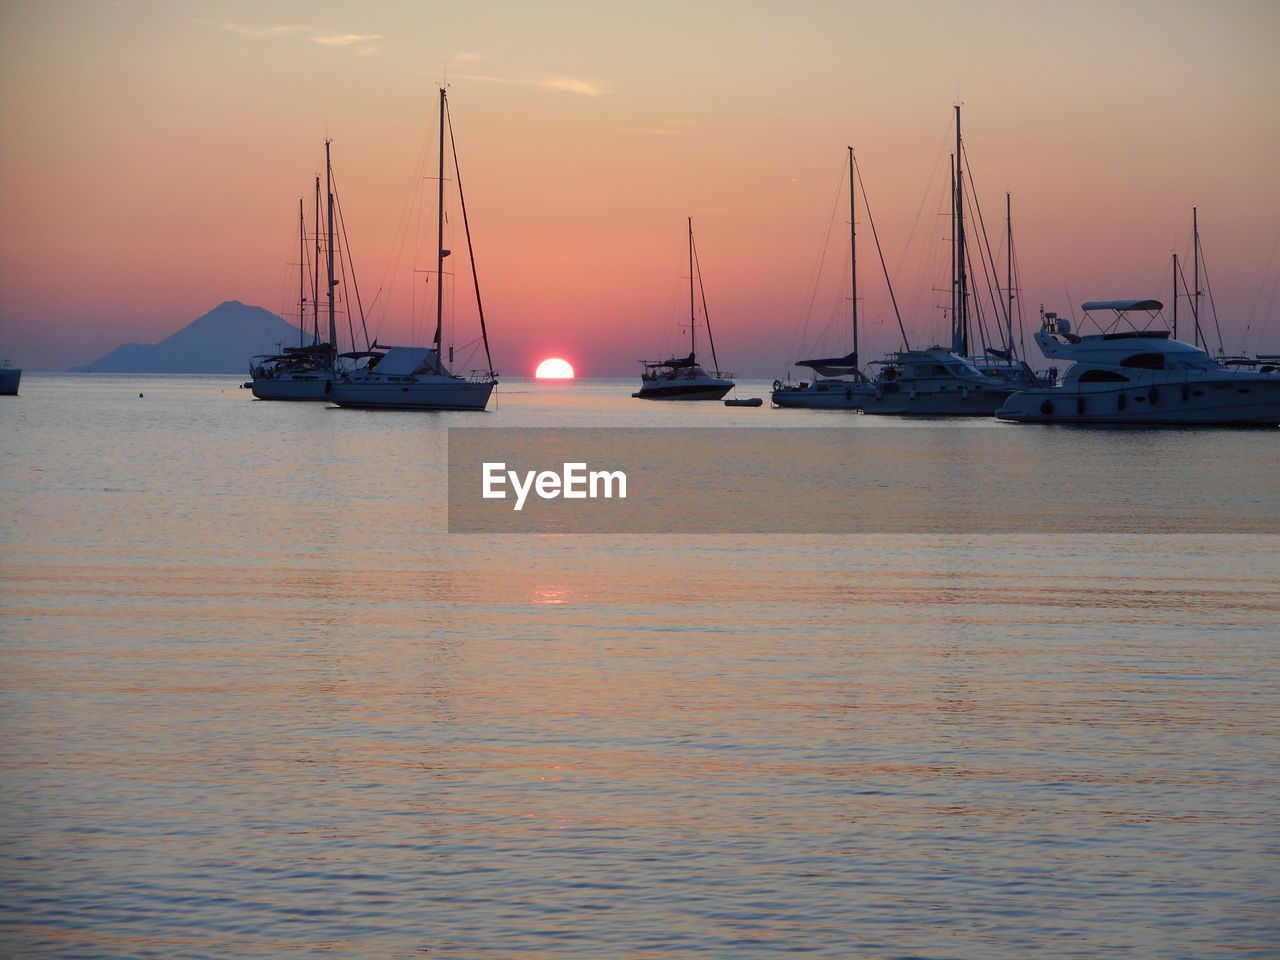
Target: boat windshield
{"type": "Point", "coordinates": [1190, 361]}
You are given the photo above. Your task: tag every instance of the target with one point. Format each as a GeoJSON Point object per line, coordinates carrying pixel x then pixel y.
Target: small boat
{"type": "Point", "coordinates": [417, 378]}
{"type": "Point", "coordinates": [9, 379]}
{"type": "Point", "coordinates": [683, 378]}
{"type": "Point", "coordinates": [1141, 376]}
{"type": "Point", "coordinates": [744, 402]}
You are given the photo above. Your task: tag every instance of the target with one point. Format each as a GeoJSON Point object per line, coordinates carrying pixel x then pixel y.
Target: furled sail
{"type": "Point", "coordinates": [832, 366]}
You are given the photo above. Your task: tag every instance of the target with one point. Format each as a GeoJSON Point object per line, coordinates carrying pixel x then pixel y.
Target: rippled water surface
{"type": "Point", "coordinates": [256, 702]}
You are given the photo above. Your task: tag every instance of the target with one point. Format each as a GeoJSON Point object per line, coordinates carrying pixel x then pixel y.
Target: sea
{"type": "Point", "coordinates": [257, 701]}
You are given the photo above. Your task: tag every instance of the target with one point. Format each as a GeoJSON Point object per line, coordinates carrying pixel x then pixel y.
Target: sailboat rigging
{"type": "Point", "coordinates": [418, 378]}
{"type": "Point", "coordinates": [839, 384]}
{"type": "Point", "coordinates": [941, 382]}
{"type": "Point", "coordinates": [307, 371]}
{"type": "Point", "coordinates": [683, 378]}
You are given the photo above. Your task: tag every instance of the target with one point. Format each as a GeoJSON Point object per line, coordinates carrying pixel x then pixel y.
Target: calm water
{"type": "Point", "coordinates": [257, 703]}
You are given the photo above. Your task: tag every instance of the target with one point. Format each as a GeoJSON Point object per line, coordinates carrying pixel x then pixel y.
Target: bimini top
{"type": "Point", "coordinates": [1121, 306]}
{"type": "Point", "coordinates": [405, 361]}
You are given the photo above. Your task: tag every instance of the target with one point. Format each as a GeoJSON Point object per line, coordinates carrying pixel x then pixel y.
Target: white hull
{"type": "Point", "coordinates": [434, 393]}
{"type": "Point", "coordinates": [314, 387]}
{"type": "Point", "coordinates": [901, 400]}
{"type": "Point", "coordinates": [1234, 400]}
{"type": "Point", "coordinates": [825, 395]}
{"type": "Point", "coordinates": [1141, 377]}
{"type": "Point", "coordinates": [9, 379]}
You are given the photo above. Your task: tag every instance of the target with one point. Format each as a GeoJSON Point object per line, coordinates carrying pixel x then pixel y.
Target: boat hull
{"type": "Point", "coordinates": [9, 380]}
{"type": "Point", "coordinates": [851, 396]}
{"type": "Point", "coordinates": [958, 402]}
{"type": "Point", "coordinates": [711, 390]}
{"type": "Point", "coordinates": [1228, 402]}
{"type": "Point", "coordinates": [435, 394]}
{"type": "Point", "coordinates": [291, 388]}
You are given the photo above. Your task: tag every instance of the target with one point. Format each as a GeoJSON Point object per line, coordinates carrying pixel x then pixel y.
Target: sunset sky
{"type": "Point", "coordinates": [154, 152]}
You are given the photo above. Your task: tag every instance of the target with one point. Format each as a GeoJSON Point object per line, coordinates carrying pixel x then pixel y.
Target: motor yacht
{"type": "Point", "coordinates": [1140, 376]}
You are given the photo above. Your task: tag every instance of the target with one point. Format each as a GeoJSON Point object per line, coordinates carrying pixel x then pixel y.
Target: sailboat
{"type": "Point", "coordinates": [937, 381]}
{"type": "Point", "coordinates": [417, 378]}
{"type": "Point", "coordinates": [838, 384]}
{"type": "Point", "coordinates": [304, 372]}
{"type": "Point", "coordinates": [683, 378]}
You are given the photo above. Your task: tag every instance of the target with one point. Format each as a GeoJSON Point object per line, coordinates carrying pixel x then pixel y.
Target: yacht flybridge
{"type": "Point", "coordinates": [1140, 375]}
{"type": "Point", "coordinates": [683, 378]}
{"type": "Point", "coordinates": [417, 378]}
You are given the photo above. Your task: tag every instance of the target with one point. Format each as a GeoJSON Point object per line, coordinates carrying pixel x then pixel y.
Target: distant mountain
{"type": "Point", "coordinates": [222, 341]}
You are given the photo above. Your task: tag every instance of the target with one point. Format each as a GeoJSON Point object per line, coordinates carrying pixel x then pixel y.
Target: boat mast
{"type": "Point", "coordinates": [441, 252]}
{"type": "Point", "coordinates": [1008, 317]}
{"type": "Point", "coordinates": [960, 340]}
{"type": "Point", "coordinates": [302, 274]}
{"type": "Point", "coordinates": [315, 272]}
{"type": "Point", "coordinates": [853, 256]}
{"type": "Point", "coordinates": [954, 312]}
{"type": "Point", "coordinates": [1175, 296]}
{"type": "Point", "coordinates": [333, 326]}
{"type": "Point", "coordinates": [1195, 259]}
{"type": "Point", "coordinates": [692, 317]}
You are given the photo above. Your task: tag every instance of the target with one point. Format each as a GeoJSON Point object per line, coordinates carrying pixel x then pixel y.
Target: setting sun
{"type": "Point", "coordinates": [554, 368]}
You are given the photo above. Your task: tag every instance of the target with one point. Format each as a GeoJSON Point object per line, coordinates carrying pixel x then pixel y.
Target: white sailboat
{"type": "Point", "coordinates": [304, 372]}
{"type": "Point", "coordinates": [838, 383]}
{"type": "Point", "coordinates": [417, 378]}
{"type": "Point", "coordinates": [683, 378]}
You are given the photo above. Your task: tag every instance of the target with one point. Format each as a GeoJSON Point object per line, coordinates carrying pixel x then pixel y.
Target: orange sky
{"type": "Point", "coordinates": [154, 153]}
